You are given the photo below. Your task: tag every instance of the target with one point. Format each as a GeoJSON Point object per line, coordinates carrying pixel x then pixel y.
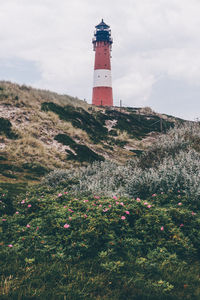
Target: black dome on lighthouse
{"type": "Point", "coordinates": [102, 25]}
{"type": "Point", "coordinates": [102, 33]}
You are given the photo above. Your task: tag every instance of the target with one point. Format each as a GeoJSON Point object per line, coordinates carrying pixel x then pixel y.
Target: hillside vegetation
{"type": "Point", "coordinates": [41, 131]}
{"type": "Point", "coordinates": [109, 231]}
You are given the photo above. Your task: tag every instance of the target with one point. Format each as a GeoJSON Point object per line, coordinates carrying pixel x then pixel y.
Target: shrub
{"type": "Point", "coordinates": [95, 248]}
{"type": "Point", "coordinates": [179, 173]}
{"type": "Point", "coordinates": [5, 128]}
{"type": "Point", "coordinates": [176, 167]}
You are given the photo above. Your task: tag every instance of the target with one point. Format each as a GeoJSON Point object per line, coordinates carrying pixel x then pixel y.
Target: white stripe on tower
{"type": "Point", "coordinates": [102, 77]}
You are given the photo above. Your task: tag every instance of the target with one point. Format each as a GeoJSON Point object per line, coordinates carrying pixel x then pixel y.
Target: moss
{"type": "Point", "coordinates": [137, 152]}
{"type": "Point", "coordinates": [9, 175]}
{"type": "Point", "coordinates": [35, 168]}
{"type": "Point", "coordinates": [138, 126]}
{"type": "Point", "coordinates": [29, 177]}
{"type": "Point", "coordinates": [2, 158]}
{"type": "Point", "coordinates": [10, 167]}
{"type": "Point", "coordinates": [79, 118]}
{"type": "Point", "coordinates": [64, 139]}
{"type": "Point", "coordinates": [113, 132]}
{"type": "Point", "coordinates": [84, 154]}
{"type": "Point", "coordinates": [120, 143]}
{"type": "Point", "coordinates": [6, 128]}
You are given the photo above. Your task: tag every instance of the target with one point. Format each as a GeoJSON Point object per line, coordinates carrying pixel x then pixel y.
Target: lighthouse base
{"type": "Point", "coordinates": [102, 96]}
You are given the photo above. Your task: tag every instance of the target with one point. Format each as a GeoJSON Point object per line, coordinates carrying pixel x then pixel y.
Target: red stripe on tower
{"type": "Point", "coordinates": [102, 87]}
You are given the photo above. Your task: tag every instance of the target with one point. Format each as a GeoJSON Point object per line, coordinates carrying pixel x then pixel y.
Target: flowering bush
{"type": "Point", "coordinates": [112, 248]}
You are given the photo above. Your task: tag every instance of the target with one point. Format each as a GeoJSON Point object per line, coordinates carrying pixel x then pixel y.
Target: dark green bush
{"type": "Point", "coordinates": [5, 128]}
{"type": "Point", "coordinates": [83, 154]}
{"type": "Point", "coordinates": [65, 139]}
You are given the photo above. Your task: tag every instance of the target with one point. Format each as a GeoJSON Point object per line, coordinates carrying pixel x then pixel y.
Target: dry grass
{"type": "Point", "coordinates": [32, 98]}
{"type": "Point", "coordinates": [34, 150]}
{"type": "Point", "coordinates": [6, 285]}
{"type": "Point", "coordinates": [122, 135]}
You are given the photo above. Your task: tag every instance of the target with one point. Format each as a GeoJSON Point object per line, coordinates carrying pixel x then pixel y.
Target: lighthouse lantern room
{"type": "Point", "coordinates": [102, 87]}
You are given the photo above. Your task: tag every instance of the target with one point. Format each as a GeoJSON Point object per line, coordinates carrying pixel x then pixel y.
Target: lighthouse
{"type": "Point", "coordinates": [102, 86]}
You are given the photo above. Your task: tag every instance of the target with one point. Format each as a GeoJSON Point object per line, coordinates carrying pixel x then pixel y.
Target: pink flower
{"type": "Point", "coordinates": [117, 202]}
{"type": "Point", "coordinates": [193, 214]}
{"type": "Point", "coordinates": [179, 203]}
{"type": "Point", "coordinates": [85, 216]}
{"type": "Point", "coordinates": [59, 195]}
{"type": "Point", "coordinates": [100, 205]}
{"type": "Point", "coordinates": [85, 200]}
{"type": "Point", "coordinates": [138, 200]}
{"type": "Point", "coordinates": [123, 218]}
{"type": "Point", "coordinates": [64, 206]}
{"type": "Point", "coordinates": [70, 218]}
{"type": "Point", "coordinates": [66, 226]}
{"type": "Point", "coordinates": [181, 225]}
{"type": "Point", "coordinates": [115, 197]}
{"type": "Point", "coordinates": [154, 195]}
{"type": "Point", "coordinates": [105, 210]}
{"type": "Point", "coordinates": [145, 203]}
{"type": "Point", "coordinates": [122, 203]}
{"type": "Point", "coordinates": [10, 245]}
{"type": "Point", "coordinates": [3, 220]}
{"type": "Point", "coordinates": [162, 193]}
{"type": "Point", "coordinates": [127, 212]}
{"type": "Point", "coordinates": [161, 228]}
{"type": "Point", "coordinates": [37, 228]}
{"type": "Point", "coordinates": [70, 210]}
{"type": "Point", "coordinates": [179, 191]}
{"type": "Point", "coordinates": [149, 206]}
{"type": "Point", "coordinates": [93, 204]}
{"type": "Point", "coordinates": [65, 193]}
{"type": "Point", "coordinates": [96, 197]}
{"type": "Point", "coordinates": [110, 205]}
{"type": "Point", "coordinates": [28, 226]}
{"type": "Point", "coordinates": [23, 201]}
{"type": "Point", "coordinates": [29, 205]}
{"type": "Point", "coordinates": [17, 212]}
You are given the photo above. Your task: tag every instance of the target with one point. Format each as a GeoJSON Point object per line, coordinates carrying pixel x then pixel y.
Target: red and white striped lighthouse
{"type": "Point", "coordinates": [102, 87]}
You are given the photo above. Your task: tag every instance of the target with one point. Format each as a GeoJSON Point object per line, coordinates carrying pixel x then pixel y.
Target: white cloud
{"type": "Point", "coordinates": [152, 39]}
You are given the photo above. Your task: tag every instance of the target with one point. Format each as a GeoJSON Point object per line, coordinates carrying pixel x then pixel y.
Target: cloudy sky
{"type": "Point", "coordinates": [155, 57]}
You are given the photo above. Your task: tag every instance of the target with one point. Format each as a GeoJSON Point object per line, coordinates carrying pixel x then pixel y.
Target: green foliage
{"type": "Point", "coordinates": [35, 168]}
{"type": "Point", "coordinates": [65, 139]}
{"type": "Point", "coordinates": [175, 167]}
{"type": "Point", "coordinates": [136, 125]}
{"type": "Point", "coordinates": [8, 196]}
{"type": "Point", "coordinates": [100, 248]}
{"type": "Point", "coordinates": [83, 153]}
{"type": "Point", "coordinates": [79, 118]}
{"type": "Point", "coordinates": [2, 158]}
{"type": "Point", "coordinates": [5, 128]}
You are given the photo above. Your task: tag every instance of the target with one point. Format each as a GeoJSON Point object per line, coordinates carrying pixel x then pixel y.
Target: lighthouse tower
{"type": "Point", "coordinates": [102, 87]}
